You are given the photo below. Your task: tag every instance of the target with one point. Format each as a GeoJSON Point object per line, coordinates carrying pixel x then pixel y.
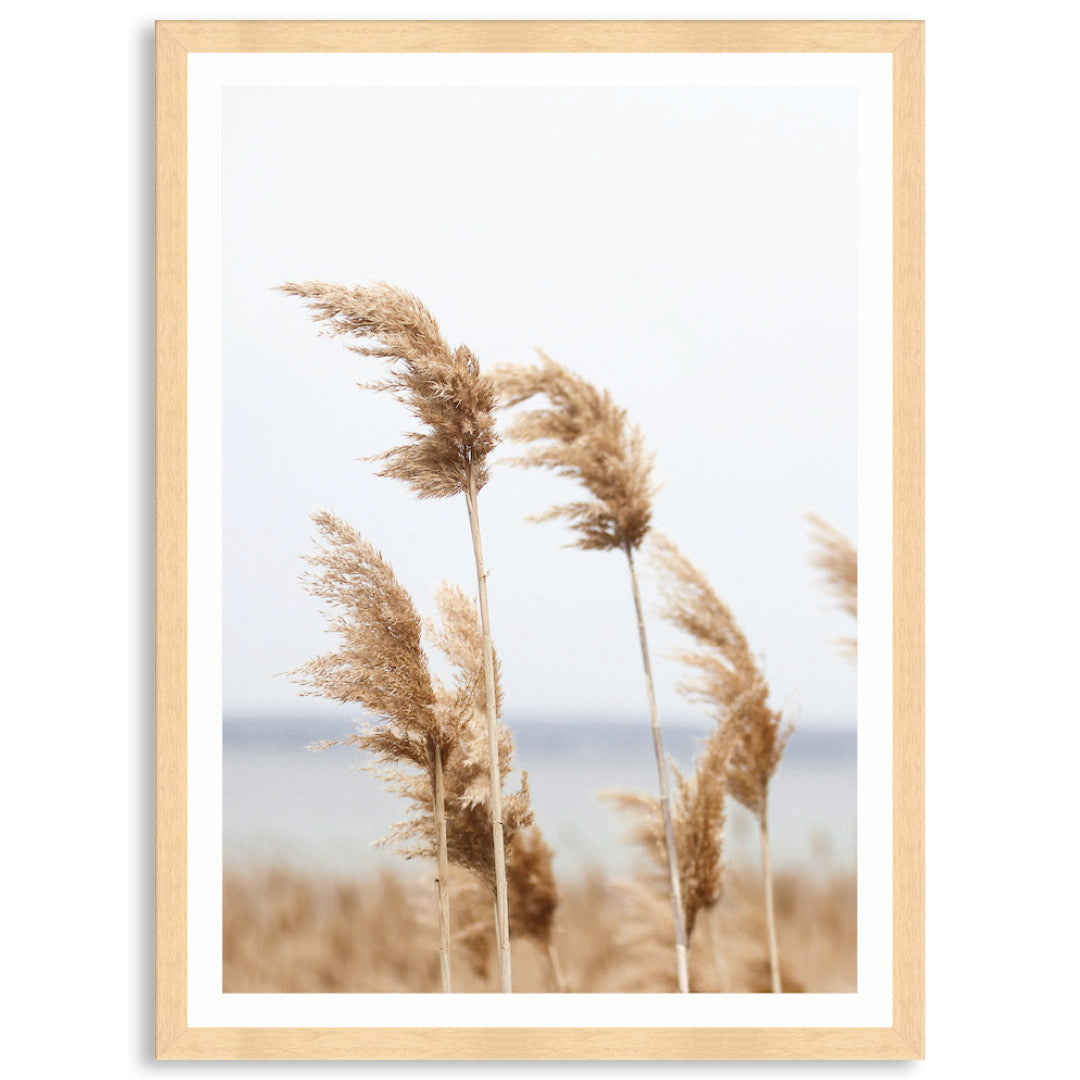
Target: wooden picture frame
{"type": "Point", "coordinates": [903, 1039]}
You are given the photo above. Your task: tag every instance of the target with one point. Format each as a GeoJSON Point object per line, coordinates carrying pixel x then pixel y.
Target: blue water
{"type": "Point", "coordinates": [322, 812]}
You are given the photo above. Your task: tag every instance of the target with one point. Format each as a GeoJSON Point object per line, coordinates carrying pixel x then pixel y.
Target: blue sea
{"type": "Point", "coordinates": [322, 812]}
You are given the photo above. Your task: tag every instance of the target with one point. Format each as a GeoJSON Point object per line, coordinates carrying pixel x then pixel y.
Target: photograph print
{"type": "Point", "coordinates": [545, 454]}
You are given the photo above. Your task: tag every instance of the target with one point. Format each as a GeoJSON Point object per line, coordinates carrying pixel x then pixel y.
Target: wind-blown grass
{"type": "Point", "coordinates": [381, 665]}
{"type": "Point", "coordinates": [726, 678]}
{"type": "Point", "coordinates": [584, 436]}
{"type": "Point", "coordinates": [426, 738]}
{"type": "Point", "coordinates": [441, 386]}
{"type": "Point", "coordinates": [453, 401]}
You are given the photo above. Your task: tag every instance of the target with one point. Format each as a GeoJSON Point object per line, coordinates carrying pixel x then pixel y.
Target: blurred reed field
{"type": "Point", "coordinates": [291, 932]}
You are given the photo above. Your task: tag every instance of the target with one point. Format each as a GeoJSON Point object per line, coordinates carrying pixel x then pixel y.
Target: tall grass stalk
{"type": "Point", "coordinates": [770, 903]}
{"type": "Point", "coordinates": [458, 636]}
{"type": "Point", "coordinates": [454, 402]}
{"type": "Point", "coordinates": [502, 912]}
{"type": "Point", "coordinates": [677, 913]}
{"type": "Point", "coordinates": [586, 437]}
{"type": "Point", "coordinates": [442, 882]}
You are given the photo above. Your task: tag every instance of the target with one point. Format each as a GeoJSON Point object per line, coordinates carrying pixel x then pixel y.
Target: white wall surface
{"type": "Point", "coordinates": [77, 544]}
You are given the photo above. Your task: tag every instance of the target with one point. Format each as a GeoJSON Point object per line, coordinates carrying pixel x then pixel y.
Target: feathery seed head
{"type": "Point", "coordinates": [585, 436]}
{"type": "Point", "coordinates": [725, 676]}
{"type": "Point", "coordinates": [380, 663]}
{"type": "Point", "coordinates": [442, 387]}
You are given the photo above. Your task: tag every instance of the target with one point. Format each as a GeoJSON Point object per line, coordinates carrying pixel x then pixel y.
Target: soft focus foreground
{"type": "Point", "coordinates": [289, 933]}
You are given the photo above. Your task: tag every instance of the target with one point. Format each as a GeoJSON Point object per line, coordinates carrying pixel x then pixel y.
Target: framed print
{"type": "Point", "coordinates": [539, 540]}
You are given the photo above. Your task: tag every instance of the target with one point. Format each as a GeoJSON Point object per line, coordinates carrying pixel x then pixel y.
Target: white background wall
{"type": "Point", "coordinates": [77, 544]}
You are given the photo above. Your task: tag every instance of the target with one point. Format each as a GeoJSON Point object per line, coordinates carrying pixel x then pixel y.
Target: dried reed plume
{"type": "Point", "coordinates": [698, 815]}
{"type": "Point", "coordinates": [835, 556]}
{"type": "Point", "coordinates": [454, 402]}
{"type": "Point", "coordinates": [381, 666]}
{"type": "Point", "coordinates": [584, 436]}
{"type": "Point", "coordinates": [726, 678]}
{"type": "Point", "coordinates": [442, 387]}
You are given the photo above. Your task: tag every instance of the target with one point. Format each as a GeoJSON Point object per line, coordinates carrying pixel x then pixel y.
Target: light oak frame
{"type": "Point", "coordinates": [904, 1039]}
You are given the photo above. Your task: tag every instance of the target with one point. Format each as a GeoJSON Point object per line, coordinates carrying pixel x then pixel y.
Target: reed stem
{"type": "Point", "coordinates": [770, 913]}
{"type": "Point", "coordinates": [665, 793]}
{"type": "Point", "coordinates": [502, 910]}
{"type": "Point", "coordinates": [442, 882]}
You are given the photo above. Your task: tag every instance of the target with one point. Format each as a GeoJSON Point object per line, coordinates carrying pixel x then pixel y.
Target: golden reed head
{"type": "Point", "coordinates": [724, 675]}
{"type": "Point", "coordinates": [584, 436]}
{"type": "Point", "coordinates": [380, 663]}
{"type": "Point", "coordinates": [441, 386]}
